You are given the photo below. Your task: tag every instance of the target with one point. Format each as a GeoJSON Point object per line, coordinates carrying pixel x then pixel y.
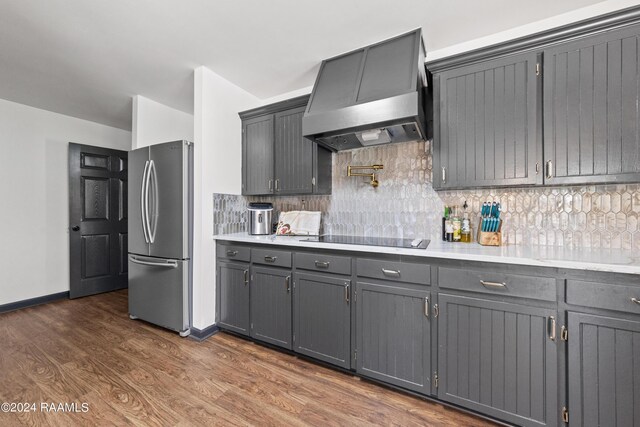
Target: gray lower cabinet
{"type": "Point", "coordinates": [233, 296]}
{"type": "Point", "coordinates": [271, 305]}
{"type": "Point", "coordinates": [498, 359]}
{"type": "Point", "coordinates": [604, 371]}
{"type": "Point", "coordinates": [322, 325]}
{"type": "Point", "coordinates": [591, 109]}
{"type": "Point", "coordinates": [486, 131]}
{"type": "Point", "coordinates": [393, 334]}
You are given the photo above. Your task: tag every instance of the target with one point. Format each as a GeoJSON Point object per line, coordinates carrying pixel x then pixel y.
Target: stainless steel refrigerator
{"type": "Point", "coordinates": [160, 209]}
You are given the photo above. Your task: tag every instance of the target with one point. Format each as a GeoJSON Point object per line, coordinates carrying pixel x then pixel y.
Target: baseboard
{"type": "Point", "coordinates": [33, 301]}
{"type": "Point", "coordinates": [201, 335]}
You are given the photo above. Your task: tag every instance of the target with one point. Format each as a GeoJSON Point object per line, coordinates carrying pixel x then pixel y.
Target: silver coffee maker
{"type": "Point", "coordinates": [260, 216]}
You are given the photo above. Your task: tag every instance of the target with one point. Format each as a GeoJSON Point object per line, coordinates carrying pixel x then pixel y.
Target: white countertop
{"type": "Point", "coordinates": [608, 260]}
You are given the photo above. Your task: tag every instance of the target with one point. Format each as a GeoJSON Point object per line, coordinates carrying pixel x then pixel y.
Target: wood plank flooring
{"type": "Point", "coordinates": [132, 373]}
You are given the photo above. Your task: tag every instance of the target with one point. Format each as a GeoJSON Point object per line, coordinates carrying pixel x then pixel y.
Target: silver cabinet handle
{"type": "Point", "coordinates": [549, 169]}
{"type": "Point", "coordinates": [143, 201]}
{"type": "Point", "coordinates": [391, 273]}
{"type": "Point", "coordinates": [278, 184]}
{"type": "Point", "coordinates": [270, 185]}
{"type": "Point", "coordinates": [270, 258]}
{"type": "Point", "coordinates": [487, 284]}
{"type": "Point", "coordinates": [436, 311]}
{"type": "Point", "coordinates": [168, 264]}
{"type": "Point", "coordinates": [552, 328]}
{"type": "Point", "coordinates": [346, 293]}
{"type": "Point", "coordinates": [246, 277]}
{"type": "Point", "coordinates": [232, 253]}
{"type": "Point", "coordinates": [287, 283]}
{"type": "Point", "coordinates": [444, 174]}
{"type": "Point", "coordinates": [322, 264]}
{"type": "Point", "coordinates": [636, 300]}
{"type": "Point", "coordinates": [426, 307]}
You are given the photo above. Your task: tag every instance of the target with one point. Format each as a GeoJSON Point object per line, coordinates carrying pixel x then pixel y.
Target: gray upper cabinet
{"type": "Point", "coordinates": [604, 371]}
{"type": "Point", "coordinates": [276, 158]}
{"type": "Point", "coordinates": [322, 325]}
{"type": "Point", "coordinates": [486, 131]}
{"type": "Point", "coordinates": [499, 359]}
{"type": "Point", "coordinates": [271, 305]}
{"type": "Point", "coordinates": [233, 296]}
{"type": "Point", "coordinates": [393, 335]}
{"type": "Point", "coordinates": [591, 111]}
{"type": "Point", "coordinates": [257, 156]}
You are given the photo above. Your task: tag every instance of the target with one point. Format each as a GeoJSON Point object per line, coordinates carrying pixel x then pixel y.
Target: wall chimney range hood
{"type": "Point", "coordinates": [375, 95]}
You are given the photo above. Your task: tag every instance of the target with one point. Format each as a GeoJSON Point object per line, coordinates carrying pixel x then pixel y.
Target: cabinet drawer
{"type": "Point", "coordinates": [395, 271]}
{"type": "Point", "coordinates": [272, 257]}
{"type": "Point", "coordinates": [232, 252]}
{"type": "Point", "coordinates": [327, 263]}
{"type": "Point", "coordinates": [604, 295]}
{"type": "Point", "coordinates": [487, 282]}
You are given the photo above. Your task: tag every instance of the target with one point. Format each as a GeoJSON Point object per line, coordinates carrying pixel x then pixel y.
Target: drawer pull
{"type": "Point", "coordinates": [322, 264]}
{"type": "Point", "coordinates": [246, 277]}
{"type": "Point", "coordinates": [270, 258]}
{"type": "Point", "coordinates": [391, 273]}
{"type": "Point", "coordinates": [492, 284]}
{"type": "Point", "coordinates": [636, 300]}
{"type": "Point", "coordinates": [232, 253]}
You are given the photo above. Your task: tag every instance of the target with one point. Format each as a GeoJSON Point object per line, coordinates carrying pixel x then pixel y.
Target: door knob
{"type": "Point", "coordinates": [76, 228]}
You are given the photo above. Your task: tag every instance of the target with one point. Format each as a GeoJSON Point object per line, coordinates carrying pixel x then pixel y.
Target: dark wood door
{"type": "Point", "coordinates": [271, 305]}
{"type": "Point", "coordinates": [499, 359]}
{"type": "Point", "coordinates": [97, 220]}
{"type": "Point", "coordinates": [393, 334]}
{"type": "Point", "coordinates": [293, 154]}
{"type": "Point", "coordinates": [604, 371]}
{"type": "Point", "coordinates": [591, 109]}
{"type": "Point", "coordinates": [322, 326]}
{"type": "Point", "coordinates": [487, 130]}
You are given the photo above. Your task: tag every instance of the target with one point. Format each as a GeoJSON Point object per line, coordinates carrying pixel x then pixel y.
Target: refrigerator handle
{"type": "Point", "coordinates": [152, 172]}
{"type": "Point", "coordinates": [143, 201]}
{"type": "Point", "coordinates": [168, 264]}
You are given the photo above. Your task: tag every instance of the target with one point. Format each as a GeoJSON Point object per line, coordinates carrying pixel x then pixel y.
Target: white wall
{"type": "Point", "coordinates": [535, 27]}
{"type": "Point", "coordinates": [153, 123]}
{"type": "Point", "coordinates": [218, 162]}
{"type": "Point", "coordinates": [34, 248]}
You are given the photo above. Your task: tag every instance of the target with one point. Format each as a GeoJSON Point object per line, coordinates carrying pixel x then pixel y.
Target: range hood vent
{"type": "Point", "coordinates": [375, 95]}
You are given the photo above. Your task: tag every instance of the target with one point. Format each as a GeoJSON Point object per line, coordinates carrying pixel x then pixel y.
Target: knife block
{"type": "Point", "coordinates": [489, 238]}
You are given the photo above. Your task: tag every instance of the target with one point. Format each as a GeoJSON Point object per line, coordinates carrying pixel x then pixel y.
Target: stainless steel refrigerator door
{"type": "Point", "coordinates": [159, 291]}
{"type": "Point", "coordinates": [138, 170]}
{"type": "Point", "coordinates": [169, 203]}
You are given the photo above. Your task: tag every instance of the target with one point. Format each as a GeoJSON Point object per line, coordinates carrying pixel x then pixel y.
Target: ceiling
{"type": "Point", "coordinates": [88, 58]}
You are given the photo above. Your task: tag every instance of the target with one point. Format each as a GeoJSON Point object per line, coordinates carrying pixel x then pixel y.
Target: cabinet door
{"type": "Point", "coordinates": [487, 131]}
{"type": "Point", "coordinates": [233, 297]}
{"type": "Point", "coordinates": [293, 154]}
{"type": "Point", "coordinates": [498, 359]}
{"type": "Point", "coordinates": [604, 371]}
{"type": "Point", "coordinates": [271, 305]}
{"type": "Point", "coordinates": [591, 111]}
{"type": "Point", "coordinates": [393, 335]}
{"type": "Point", "coordinates": [257, 155]}
{"type": "Point", "coordinates": [322, 325]}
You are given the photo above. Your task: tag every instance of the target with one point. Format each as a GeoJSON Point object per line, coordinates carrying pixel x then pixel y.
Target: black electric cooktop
{"type": "Point", "coordinates": [372, 241]}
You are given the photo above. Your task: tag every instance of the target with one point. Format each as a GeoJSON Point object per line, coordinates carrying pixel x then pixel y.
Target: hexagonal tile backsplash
{"type": "Point", "coordinates": [405, 205]}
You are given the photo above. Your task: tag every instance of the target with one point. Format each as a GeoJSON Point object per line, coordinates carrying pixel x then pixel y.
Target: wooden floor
{"type": "Point", "coordinates": [131, 373]}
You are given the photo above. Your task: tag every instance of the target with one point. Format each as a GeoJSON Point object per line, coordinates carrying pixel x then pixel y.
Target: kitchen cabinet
{"type": "Point", "coordinates": [276, 158]}
{"type": "Point", "coordinates": [233, 296]}
{"type": "Point", "coordinates": [486, 124]}
{"type": "Point", "coordinates": [271, 305]}
{"type": "Point", "coordinates": [322, 325]}
{"type": "Point", "coordinates": [604, 370]}
{"type": "Point", "coordinates": [499, 359]}
{"type": "Point", "coordinates": [591, 111]}
{"type": "Point", "coordinates": [393, 334]}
